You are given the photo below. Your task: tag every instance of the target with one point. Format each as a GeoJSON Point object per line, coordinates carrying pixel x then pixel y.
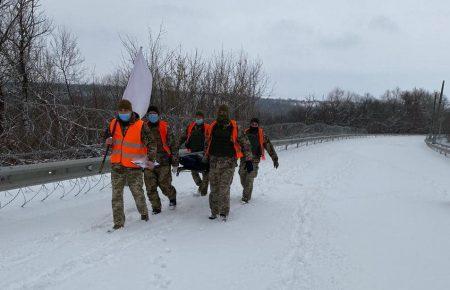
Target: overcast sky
{"type": "Point", "coordinates": [308, 47]}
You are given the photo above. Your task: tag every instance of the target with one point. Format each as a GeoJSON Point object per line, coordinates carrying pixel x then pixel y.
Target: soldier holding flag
{"type": "Point", "coordinates": [131, 140]}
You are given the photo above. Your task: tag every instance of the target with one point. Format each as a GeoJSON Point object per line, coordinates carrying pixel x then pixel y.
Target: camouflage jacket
{"type": "Point", "coordinates": [245, 145]}
{"type": "Point", "coordinates": [268, 147]}
{"type": "Point", "coordinates": [161, 156]}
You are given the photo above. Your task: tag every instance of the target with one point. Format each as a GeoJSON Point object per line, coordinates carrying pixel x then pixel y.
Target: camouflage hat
{"type": "Point", "coordinates": [200, 113]}
{"type": "Point", "coordinates": [125, 105]}
{"type": "Point", "coordinates": [223, 109]}
{"type": "Point", "coordinates": [254, 120]}
{"type": "Point", "coordinates": [153, 109]}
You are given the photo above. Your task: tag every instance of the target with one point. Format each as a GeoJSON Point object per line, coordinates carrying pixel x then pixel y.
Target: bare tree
{"type": "Point", "coordinates": [22, 45]}
{"type": "Point", "coordinates": [67, 58]}
{"type": "Point", "coordinates": [31, 24]}
{"type": "Point", "coordinates": [7, 21]}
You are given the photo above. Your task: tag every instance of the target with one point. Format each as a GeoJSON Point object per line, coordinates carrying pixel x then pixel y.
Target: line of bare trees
{"type": "Point", "coordinates": [396, 111]}
{"type": "Point", "coordinates": [185, 82]}
{"type": "Point", "coordinates": [50, 104]}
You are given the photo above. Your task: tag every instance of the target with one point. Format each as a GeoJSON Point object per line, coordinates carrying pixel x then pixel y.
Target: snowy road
{"type": "Point", "coordinates": [357, 214]}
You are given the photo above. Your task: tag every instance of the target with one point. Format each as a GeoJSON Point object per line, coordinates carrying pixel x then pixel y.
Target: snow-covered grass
{"type": "Point", "coordinates": [357, 214]}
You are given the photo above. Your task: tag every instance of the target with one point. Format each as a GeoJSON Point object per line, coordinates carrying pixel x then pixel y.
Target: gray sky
{"type": "Point", "coordinates": [308, 47]}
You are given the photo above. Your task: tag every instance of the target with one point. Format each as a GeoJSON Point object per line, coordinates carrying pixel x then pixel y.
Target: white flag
{"type": "Point", "coordinates": [139, 87]}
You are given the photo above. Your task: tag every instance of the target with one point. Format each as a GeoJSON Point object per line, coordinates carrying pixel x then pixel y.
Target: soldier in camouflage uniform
{"type": "Point", "coordinates": [131, 140]}
{"type": "Point", "coordinates": [167, 156]}
{"type": "Point", "coordinates": [259, 143]}
{"type": "Point", "coordinates": [194, 139]}
{"type": "Point", "coordinates": [225, 145]}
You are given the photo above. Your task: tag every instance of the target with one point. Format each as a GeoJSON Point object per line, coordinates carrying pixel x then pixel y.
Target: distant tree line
{"type": "Point", "coordinates": [396, 111]}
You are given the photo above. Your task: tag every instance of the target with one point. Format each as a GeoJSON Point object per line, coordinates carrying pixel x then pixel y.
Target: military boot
{"type": "Point", "coordinates": [173, 204]}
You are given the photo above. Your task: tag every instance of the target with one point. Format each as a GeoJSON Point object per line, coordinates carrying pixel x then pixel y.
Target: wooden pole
{"type": "Point", "coordinates": [438, 115]}
{"type": "Point", "coordinates": [433, 116]}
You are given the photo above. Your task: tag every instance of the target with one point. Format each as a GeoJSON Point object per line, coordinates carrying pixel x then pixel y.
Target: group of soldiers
{"type": "Point", "coordinates": [146, 151]}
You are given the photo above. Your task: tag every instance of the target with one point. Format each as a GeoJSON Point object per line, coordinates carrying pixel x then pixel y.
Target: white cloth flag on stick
{"type": "Point", "coordinates": [139, 87]}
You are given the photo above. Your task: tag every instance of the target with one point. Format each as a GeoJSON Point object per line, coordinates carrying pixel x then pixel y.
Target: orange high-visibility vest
{"type": "Point", "coordinates": [163, 134]}
{"type": "Point", "coordinates": [191, 127]}
{"type": "Point", "coordinates": [260, 141]}
{"type": "Point", "coordinates": [128, 148]}
{"type": "Point", "coordinates": [234, 138]}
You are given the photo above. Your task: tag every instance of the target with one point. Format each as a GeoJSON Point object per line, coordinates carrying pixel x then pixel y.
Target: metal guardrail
{"type": "Point", "coordinates": [314, 139]}
{"type": "Point", "coordinates": [441, 148]}
{"type": "Point", "coordinates": [36, 174]}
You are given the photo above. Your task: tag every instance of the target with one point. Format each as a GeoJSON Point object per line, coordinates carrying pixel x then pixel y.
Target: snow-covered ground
{"type": "Point", "coordinates": [368, 213]}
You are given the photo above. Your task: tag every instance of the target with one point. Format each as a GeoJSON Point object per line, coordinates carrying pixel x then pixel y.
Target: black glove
{"type": "Point", "coordinates": [275, 164]}
{"type": "Point", "coordinates": [205, 159]}
{"type": "Point", "coordinates": [249, 166]}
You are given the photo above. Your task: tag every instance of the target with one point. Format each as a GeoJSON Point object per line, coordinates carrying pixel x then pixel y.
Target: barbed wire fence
{"type": "Point", "coordinates": [72, 188]}
{"type": "Point", "coordinates": [54, 132]}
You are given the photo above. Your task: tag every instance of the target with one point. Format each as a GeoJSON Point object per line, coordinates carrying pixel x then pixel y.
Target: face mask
{"type": "Point", "coordinates": [253, 129]}
{"type": "Point", "coordinates": [223, 118]}
{"type": "Point", "coordinates": [199, 121]}
{"type": "Point", "coordinates": [125, 117]}
{"type": "Point", "coordinates": [153, 118]}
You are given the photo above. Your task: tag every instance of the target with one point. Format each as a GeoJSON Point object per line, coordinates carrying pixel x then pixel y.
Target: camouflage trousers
{"type": "Point", "coordinates": [247, 179]}
{"type": "Point", "coordinates": [161, 177]}
{"type": "Point", "coordinates": [121, 176]}
{"type": "Point", "coordinates": [201, 182]}
{"type": "Point", "coordinates": [220, 177]}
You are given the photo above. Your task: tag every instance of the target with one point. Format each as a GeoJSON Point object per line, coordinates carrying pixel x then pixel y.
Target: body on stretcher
{"type": "Point", "coordinates": [193, 162]}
